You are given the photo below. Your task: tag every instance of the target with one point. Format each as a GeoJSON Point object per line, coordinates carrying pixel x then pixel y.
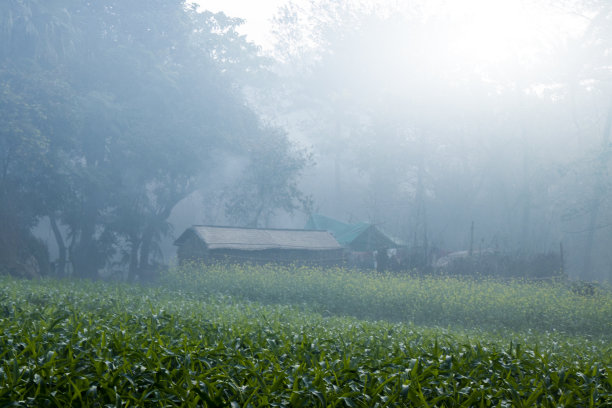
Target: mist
{"type": "Point", "coordinates": [426, 118]}
{"type": "Point", "coordinates": [479, 126]}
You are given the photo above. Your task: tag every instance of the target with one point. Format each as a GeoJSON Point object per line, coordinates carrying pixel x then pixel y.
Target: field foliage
{"type": "Point", "coordinates": [424, 300]}
{"type": "Point", "coordinates": [198, 340]}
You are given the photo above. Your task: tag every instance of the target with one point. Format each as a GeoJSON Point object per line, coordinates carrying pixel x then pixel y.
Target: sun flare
{"type": "Point", "coordinates": [502, 33]}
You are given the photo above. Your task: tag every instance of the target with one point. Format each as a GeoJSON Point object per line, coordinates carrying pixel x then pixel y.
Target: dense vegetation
{"type": "Point", "coordinates": [111, 113]}
{"type": "Point", "coordinates": [426, 300]}
{"type": "Point", "coordinates": [202, 342]}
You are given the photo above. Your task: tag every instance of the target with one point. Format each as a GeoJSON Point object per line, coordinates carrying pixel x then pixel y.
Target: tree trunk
{"type": "Point", "coordinates": [86, 259]}
{"type": "Point", "coordinates": [525, 241]}
{"type": "Point", "coordinates": [471, 239]}
{"type": "Point", "coordinates": [145, 251]}
{"type": "Point", "coordinates": [598, 192]}
{"type": "Point", "coordinates": [421, 239]}
{"type": "Point", "coordinates": [61, 245]}
{"type": "Point", "coordinates": [339, 197]}
{"type": "Point", "coordinates": [148, 234]}
{"type": "Point", "coordinates": [133, 268]}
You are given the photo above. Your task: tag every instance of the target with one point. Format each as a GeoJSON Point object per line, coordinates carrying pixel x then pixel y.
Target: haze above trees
{"type": "Point", "coordinates": [419, 119]}
{"type": "Point", "coordinates": [428, 116]}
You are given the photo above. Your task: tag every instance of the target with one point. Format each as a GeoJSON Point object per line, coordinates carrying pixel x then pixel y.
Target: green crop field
{"type": "Point", "coordinates": [273, 336]}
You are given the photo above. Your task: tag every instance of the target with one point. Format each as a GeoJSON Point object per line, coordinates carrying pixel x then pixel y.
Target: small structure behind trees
{"type": "Point", "coordinates": [498, 264]}
{"type": "Point", "coordinates": [366, 245]}
{"type": "Point", "coordinates": [210, 244]}
{"type": "Point", "coordinates": [359, 237]}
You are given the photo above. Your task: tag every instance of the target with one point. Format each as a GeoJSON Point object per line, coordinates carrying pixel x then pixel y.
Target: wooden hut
{"type": "Point", "coordinates": [211, 244]}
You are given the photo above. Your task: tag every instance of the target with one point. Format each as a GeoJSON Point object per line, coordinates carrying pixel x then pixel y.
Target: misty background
{"type": "Point", "coordinates": [123, 123]}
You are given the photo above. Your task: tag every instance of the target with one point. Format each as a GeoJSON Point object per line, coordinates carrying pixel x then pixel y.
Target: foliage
{"type": "Point", "coordinates": [82, 343]}
{"type": "Point", "coordinates": [269, 182]}
{"type": "Point", "coordinates": [110, 114]}
{"type": "Point", "coordinates": [425, 300]}
{"type": "Point", "coordinates": [30, 166]}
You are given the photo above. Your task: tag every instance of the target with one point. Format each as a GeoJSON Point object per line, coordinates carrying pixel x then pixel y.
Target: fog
{"type": "Point", "coordinates": [448, 125]}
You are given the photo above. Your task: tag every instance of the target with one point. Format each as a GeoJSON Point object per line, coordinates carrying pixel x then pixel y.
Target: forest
{"type": "Point", "coordinates": [122, 123]}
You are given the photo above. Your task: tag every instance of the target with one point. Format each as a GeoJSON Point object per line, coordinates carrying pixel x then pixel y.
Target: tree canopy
{"type": "Point", "coordinates": [112, 111]}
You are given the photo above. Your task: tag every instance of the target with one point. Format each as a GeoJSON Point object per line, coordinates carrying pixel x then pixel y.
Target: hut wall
{"type": "Point", "coordinates": [279, 256]}
{"type": "Point", "coordinates": [192, 249]}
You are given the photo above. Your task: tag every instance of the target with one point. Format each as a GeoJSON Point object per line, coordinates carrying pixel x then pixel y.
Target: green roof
{"type": "Point", "coordinates": [359, 237]}
{"type": "Point", "coordinates": [352, 232]}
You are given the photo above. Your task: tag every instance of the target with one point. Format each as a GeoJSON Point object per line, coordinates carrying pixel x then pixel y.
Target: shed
{"type": "Point", "coordinates": [210, 244]}
{"type": "Point", "coordinates": [358, 237]}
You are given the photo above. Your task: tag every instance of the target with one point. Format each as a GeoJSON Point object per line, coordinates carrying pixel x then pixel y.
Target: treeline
{"type": "Point", "coordinates": [112, 112]}
{"type": "Point", "coordinates": [424, 130]}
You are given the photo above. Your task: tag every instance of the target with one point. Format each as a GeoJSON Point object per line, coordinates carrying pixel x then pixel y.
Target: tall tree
{"type": "Point", "coordinates": [269, 182]}
{"type": "Point", "coordinates": [149, 91]}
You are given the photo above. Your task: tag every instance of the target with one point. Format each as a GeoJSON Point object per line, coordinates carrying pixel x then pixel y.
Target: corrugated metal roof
{"type": "Point", "coordinates": [349, 234]}
{"type": "Point", "coordinates": [258, 239]}
{"type": "Point", "coordinates": [321, 222]}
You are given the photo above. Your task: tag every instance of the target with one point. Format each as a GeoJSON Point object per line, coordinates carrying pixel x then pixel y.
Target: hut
{"type": "Point", "coordinates": [211, 244]}
{"type": "Point", "coordinates": [367, 247]}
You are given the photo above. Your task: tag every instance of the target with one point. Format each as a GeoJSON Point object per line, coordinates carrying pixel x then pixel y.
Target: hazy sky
{"type": "Point", "coordinates": [487, 31]}
{"type": "Point", "coordinates": [256, 13]}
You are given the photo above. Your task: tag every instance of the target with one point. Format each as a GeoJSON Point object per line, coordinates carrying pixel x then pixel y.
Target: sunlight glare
{"type": "Point", "coordinates": [496, 31]}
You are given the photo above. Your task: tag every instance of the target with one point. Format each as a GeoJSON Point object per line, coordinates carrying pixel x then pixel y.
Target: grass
{"type": "Point", "coordinates": [198, 340]}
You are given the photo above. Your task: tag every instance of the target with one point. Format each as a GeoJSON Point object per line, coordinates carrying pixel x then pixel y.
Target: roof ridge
{"type": "Point", "coordinates": [258, 229]}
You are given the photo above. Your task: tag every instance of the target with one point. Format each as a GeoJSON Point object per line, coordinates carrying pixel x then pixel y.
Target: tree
{"type": "Point", "coordinates": [22, 161]}
{"type": "Point", "coordinates": [149, 91]}
{"type": "Point", "coordinates": [269, 180]}
{"type": "Point", "coordinates": [171, 99]}
{"type": "Point", "coordinates": [32, 123]}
